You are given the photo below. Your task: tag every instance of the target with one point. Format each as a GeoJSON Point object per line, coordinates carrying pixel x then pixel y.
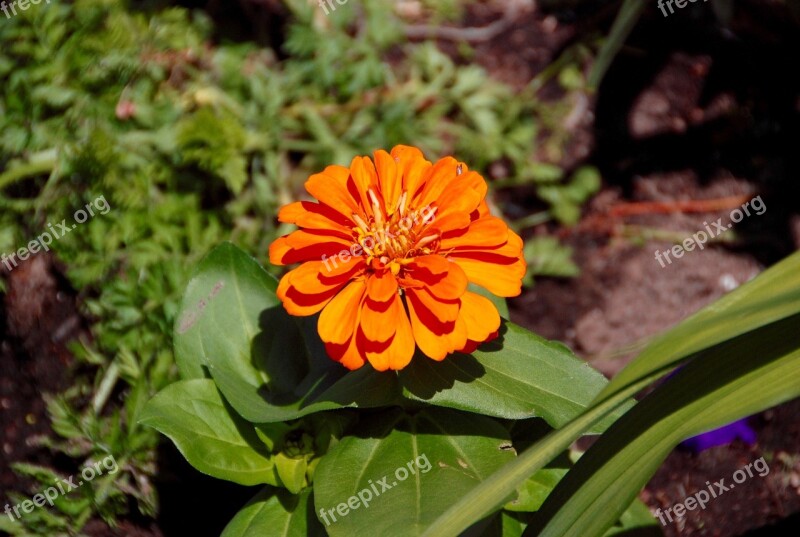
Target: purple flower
{"type": "Point", "coordinates": [722, 436]}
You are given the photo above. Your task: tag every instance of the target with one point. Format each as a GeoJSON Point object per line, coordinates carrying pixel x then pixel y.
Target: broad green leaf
{"type": "Point", "coordinates": [771, 296]}
{"type": "Point", "coordinates": [328, 391]}
{"type": "Point", "coordinates": [276, 513]}
{"type": "Point", "coordinates": [519, 375]}
{"type": "Point", "coordinates": [269, 366]}
{"type": "Point", "coordinates": [400, 472]}
{"type": "Point", "coordinates": [740, 377]}
{"type": "Point", "coordinates": [535, 489]}
{"type": "Point", "coordinates": [208, 433]}
{"type": "Point", "coordinates": [511, 525]}
{"type": "Point", "coordinates": [292, 471]}
{"type": "Point", "coordinates": [224, 298]}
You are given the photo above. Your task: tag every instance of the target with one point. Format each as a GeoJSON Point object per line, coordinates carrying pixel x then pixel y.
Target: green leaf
{"type": "Point", "coordinates": [292, 471]}
{"type": "Point", "coordinates": [274, 513]}
{"type": "Point", "coordinates": [228, 287]}
{"type": "Point", "coordinates": [626, 19]}
{"type": "Point", "coordinates": [774, 295]}
{"type": "Point", "coordinates": [208, 433]}
{"type": "Point", "coordinates": [737, 378]}
{"type": "Point", "coordinates": [400, 472]}
{"type": "Point", "coordinates": [637, 520]}
{"type": "Point", "coordinates": [546, 256]}
{"type": "Point", "coordinates": [567, 198]}
{"type": "Point", "coordinates": [533, 492]}
{"type": "Point", "coordinates": [519, 375]}
{"type": "Point", "coordinates": [269, 366]}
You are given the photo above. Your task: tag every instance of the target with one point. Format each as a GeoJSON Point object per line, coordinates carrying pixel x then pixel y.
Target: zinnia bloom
{"type": "Point", "coordinates": [387, 253]}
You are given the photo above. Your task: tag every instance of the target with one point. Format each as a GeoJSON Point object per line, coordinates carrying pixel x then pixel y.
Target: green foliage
{"type": "Point", "coordinates": [271, 509]}
{"type": "Point", "coordinates": [263, 404]}
{"type": "Point", "coordinates": [192, 144]}
{"type": "Point", "coordinates": [742, 355]}
{"type": "Point", "coordinates": [213, 439]}
{"type": "Point", "coordinates": [547, 257]}
{"type": "Point", "coordinates": [424, 461]}
{"type": "Point", "coordinates": [567, 199]}
{"type": "Point", "coordinates": [213, 143]}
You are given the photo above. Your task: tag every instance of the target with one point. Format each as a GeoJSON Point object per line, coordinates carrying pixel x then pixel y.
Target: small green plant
{"type": "Point", "coordinates": [260, 402]}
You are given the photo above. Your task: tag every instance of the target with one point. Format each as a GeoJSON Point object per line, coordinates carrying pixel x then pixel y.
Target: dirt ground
{"type": "Point", "coordinates": [692, 110]}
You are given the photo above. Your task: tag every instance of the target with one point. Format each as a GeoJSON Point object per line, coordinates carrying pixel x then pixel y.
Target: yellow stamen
{"type": "Point", "coordinates": [376, 207]}
{"type": "Point", "coordinates": [401, 207]}
{"type": "Point", "coordinates": [426, 240]}
{"type": "Point", "coordinates": [360, 221]}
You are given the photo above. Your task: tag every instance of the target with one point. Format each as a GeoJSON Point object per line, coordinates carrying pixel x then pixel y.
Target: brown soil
{"type": "Point", "coordinates": [39, 317]}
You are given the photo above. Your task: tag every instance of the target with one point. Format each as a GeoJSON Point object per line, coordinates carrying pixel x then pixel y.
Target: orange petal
{"type": "Point", "coordinates": [437, 179]}
{"type": "Point", "coordinates": [480, 316]}
{"type": "Point", "coordinates": [472, 346]}
{"type": "Point", "coordinates": [317, 276]}
{"type": "Point", "coordinates": [381, 286]}
{"type": "Point", "coordinates": [413, 166]}
{"type": "Point", "coordinates": [401, 350]}
{"type": "Point", "coordinates": [339, 318]}
{"type": "Point", "coordinates": [447, 285]}
{"type": "Point", "coordinates": [301, 303]}
{"type": "Point", "coordinates": [390, 182]}
{"type": "Point", "coordinates": [464, 193]}
{"type": "Point", "coordinates": [330, 188]}
{"type": "Point", "coordinates": [278, 251]}
{"type": "Point", "coordinates": [443, 312]}
{"type": "Point", "coordinates": [486, 232]}
{"type": "Point", "coordinates": [290, 213]}
{"type": "Point", "coordinates": [432, 345]}
{"type": "Point", "coordinates": [501, 280]}
{"type": "Point", "coordinates": [428, 267]}
{"type": "Point", "coordinates": [364, 178]}
{"type": "Point", "coordinates": [347, 354]}
{"type": "Point", "coordinates": [307, 214]}
{"type": "Point", "coordinates": [338, 267]}
{"type": "Point", "coordinates": [457, 339]}
{"type": "Point", "coordinates": [378, 320]}
{"type": "Point", "coordinates": [451, 222]}
{"type": "Point", "coordinates": [302, 245]}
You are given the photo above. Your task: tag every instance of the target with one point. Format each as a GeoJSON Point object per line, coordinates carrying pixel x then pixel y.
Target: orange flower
{"type": "Point", "coordinates": [387, 254]}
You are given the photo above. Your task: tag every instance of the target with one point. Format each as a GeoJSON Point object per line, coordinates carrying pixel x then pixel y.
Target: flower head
{"type": "Point", "coordinates": [387, 253]}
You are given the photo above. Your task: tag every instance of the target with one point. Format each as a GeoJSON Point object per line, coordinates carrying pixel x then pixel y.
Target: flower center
{"type": "Point", "coordinates": [392, 241]}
